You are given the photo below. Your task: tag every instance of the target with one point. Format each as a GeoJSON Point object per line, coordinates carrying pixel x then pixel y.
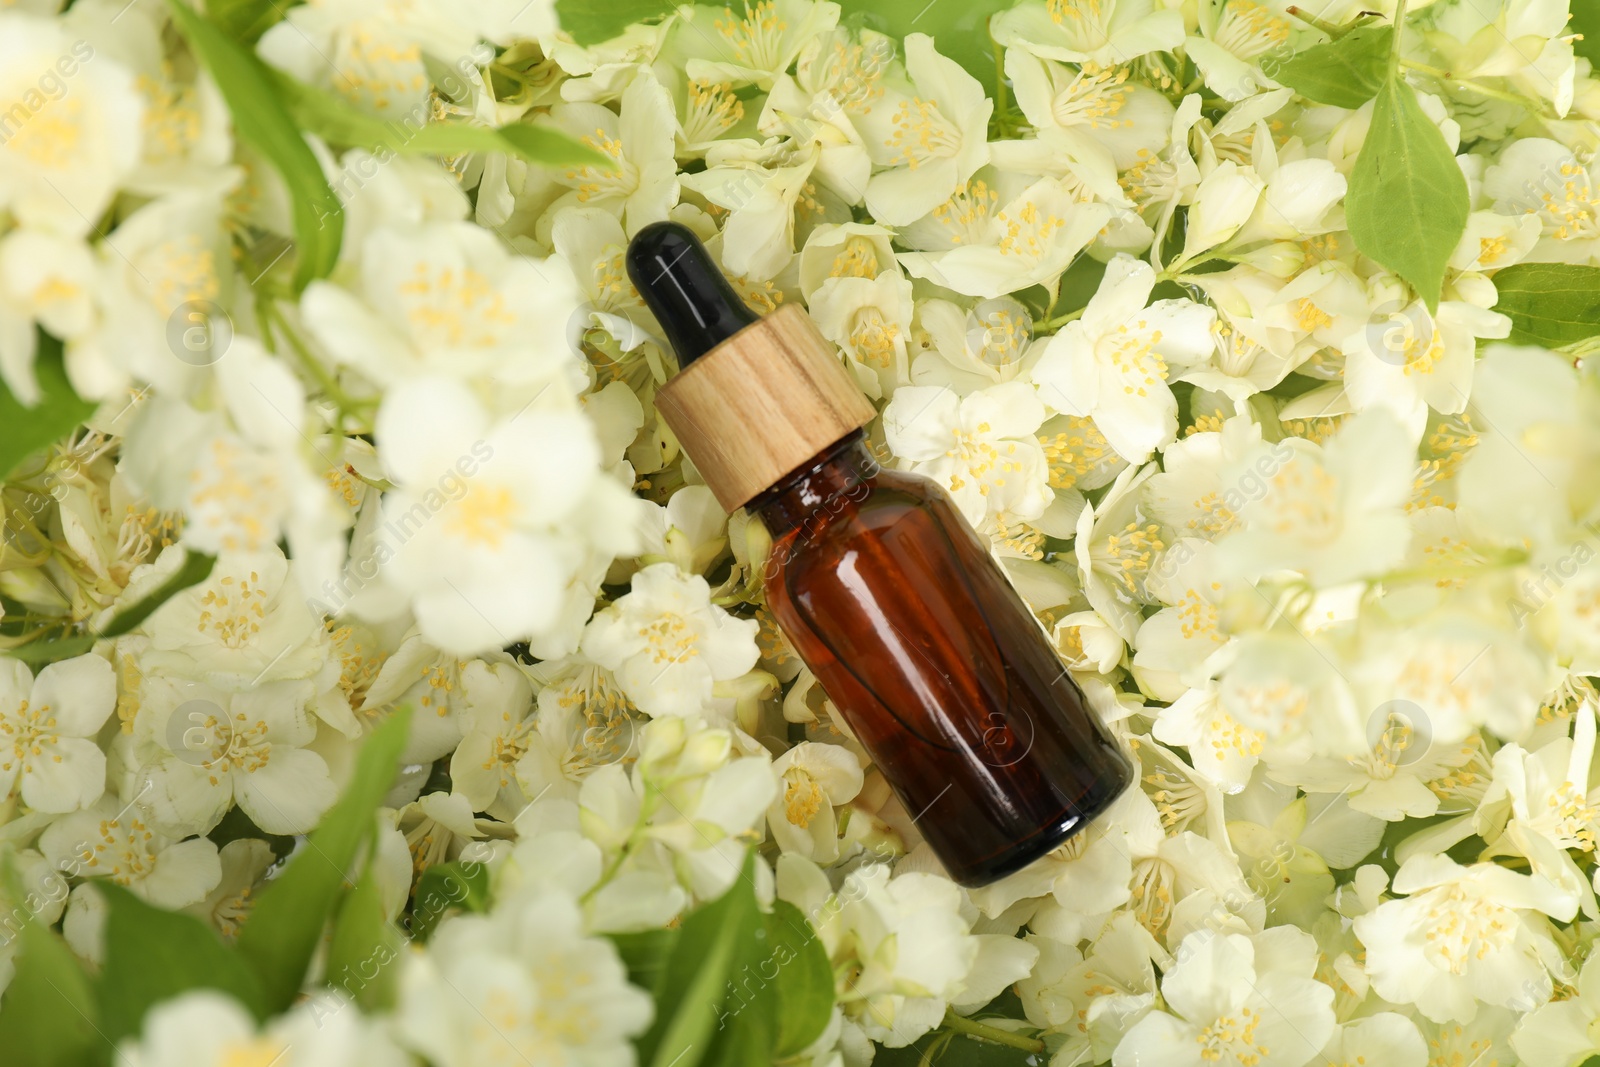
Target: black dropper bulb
{"type": "Point", "coordinates": [689, 296]}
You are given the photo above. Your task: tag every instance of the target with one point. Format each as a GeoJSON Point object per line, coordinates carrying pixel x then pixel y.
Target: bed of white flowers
{"type": "Point", "coordinates": [381, 686]}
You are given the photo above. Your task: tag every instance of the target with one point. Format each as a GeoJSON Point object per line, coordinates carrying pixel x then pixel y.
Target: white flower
{"type": "Point", "coordinates": [1459, 668]}
{"type": "Point", "coordinates": [1523, 41]}
{"type": "Point", "coordinates": [1335, 512]}
{"type": "Point", "coordinates": [693, 798]}
{"type": "Point", "coordinates": [1390, 779]}
{"type": "Point", "coordinates": [691, 531]}
{"type": "Point", "coordinates": [1115, 551]}
{"type": "Point", "coordinates": [247, 476]}
{"type": "Point", "coordinates": [67, 145]}
{"type": "Point", "coordinates": [1112, 363]}
{"type": "Point", "coordinates": [1237, 33]}
{"type": "Point", "coordinates": [930, 141]}
{"type": "Point", "coordinates": [446, 298]}
{"type": "Point", "coordinates": [169, 257]}
{"type": "Point", "coordinates": [1464, 936]}
{"type": "Point", "coordinates": [483, 767]}
{"type": "Point", "coordinates": [760, 185]}
{"type": "Point", "coordinates": [527, 969]}
{"type": "Point", "coordinates": [1104, 32]}
{"type": "Point", "coordinates": [45, 280]}
{"type": "Point", "coordinates": [205, 1028]}
{"type": "Point", "coordinates": [244, 862]}
{"type": "Point", "coordinates": [1282, 686]}
{"type": "Point", "coordinates": [1387, 1037]}
{"type": "Point", "coordinates": [1553, 810]}
{"type": "Point", "coordinates": [1223, 749]}
{"type": "Point", "coordinates": [668, 645]}
{"type": "Point", "coordinates": [1492, 241]}
{"type": "Point", "coordinates": [1088, 877]}
{"type": "Point", "coordinates": [982, 447]}
{"type": "Point", "coordinates": [494, 519]}
{"type": "Point", "coordinates": [1094, 999]}
{"type": "Point", "coordinates": [1410, 361]}
{"type": "Point", "coordinates": [843, 250]}
{"type": "Point", "coordinates": [836, 78]}
{"type": "Point", "coordinates": [1091, 105]}
{"type": "Point", "coordinates": [1223, 203]}
{"type": "Point", "coordinates": [1564, 1033]}
{"type": "Point", "coordinates": [1175, 642]}
{"type": "Point", "coordinates": [1192, 493]}
{"type": "Point", "coordinates": [752, 45]}
{"type": "Point", "coordinates": [870, 319]}
{"type": "Point", "coordinates": [902, 939]}
{"type": "Point", "coordinates": [1237, 1001]}
{"type": "Point", "coordinates": [642, 185]}
{"type": "Point", "coordinates": [246, 624]}
{"type": "Point", "coordinates": [46, 724]}
{"type": "Point", "coordinates": [207, 749]}
{"type": "Point", "coordinates": [113, 840]}
{"type": "Point", "coordinates": [373, 53]}
{"type": "Point", "coordinates": [591, 240]}
{"type": "Point", "coordinates": [1545, 179]}
{"type": "Point", "coordinates": [815, 779]}
{"type": "Point", "coordinates": [1029, 241]}
{"type": "Point", "coordinates": [584, 722]}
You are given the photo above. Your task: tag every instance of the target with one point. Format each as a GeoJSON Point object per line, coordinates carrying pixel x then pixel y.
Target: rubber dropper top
{"type": "Point", "coordinates": [688, 294]}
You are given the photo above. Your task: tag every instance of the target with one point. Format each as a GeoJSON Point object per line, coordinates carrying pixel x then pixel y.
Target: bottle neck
{"type": "Point", "coordinates": [842, 470]}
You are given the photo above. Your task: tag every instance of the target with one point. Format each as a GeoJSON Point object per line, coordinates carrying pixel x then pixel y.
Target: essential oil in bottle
{"type": "Point", "coordinates": [890, 598]}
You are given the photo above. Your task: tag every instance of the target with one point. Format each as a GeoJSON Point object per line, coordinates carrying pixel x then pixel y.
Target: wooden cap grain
{"type": "Point", "coordinates": [761, 404]}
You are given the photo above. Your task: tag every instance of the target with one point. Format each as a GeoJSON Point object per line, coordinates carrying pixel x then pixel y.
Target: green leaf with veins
{"type": "Point", "coordinates": [1346, 72]}
{"type": "Point", "coordinates": [1407, 205]}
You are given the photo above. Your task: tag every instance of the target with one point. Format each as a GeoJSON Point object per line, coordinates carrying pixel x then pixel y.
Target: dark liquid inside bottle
{"type": "Point", "coordinates": [939, 668]}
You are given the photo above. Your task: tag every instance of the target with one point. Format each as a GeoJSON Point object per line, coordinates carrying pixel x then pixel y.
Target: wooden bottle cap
{"type": "Point", "coordinates": [762, 404]}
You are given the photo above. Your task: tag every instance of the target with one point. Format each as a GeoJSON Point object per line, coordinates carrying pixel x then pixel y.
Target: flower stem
{"type": "Point", "coordinates": [1464, 83]}
{"type": "Point", "coordinates": [1322, 24]}
{"type": "Point", "coordinates": [999, 76]}
{"type": "Point", "coordinates": [348, 406]}
{"type": "Point", "coordinates": [1399, 32]}
{"type": "Point", "coordinates": [1062, 320]}
{"type": "Point", "coordinates": [973, 1028]}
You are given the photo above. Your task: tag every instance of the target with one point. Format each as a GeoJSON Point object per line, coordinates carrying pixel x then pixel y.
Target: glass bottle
{"type": "Point", "coordinates": [890, 598]}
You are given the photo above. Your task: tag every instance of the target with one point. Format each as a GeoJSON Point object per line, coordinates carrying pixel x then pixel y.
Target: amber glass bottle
{"type": "Point", "coordinates": [888, 596]}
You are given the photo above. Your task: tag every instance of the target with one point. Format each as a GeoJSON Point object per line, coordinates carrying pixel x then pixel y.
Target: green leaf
{"type": "Point", "coordinates": [590, 22]}
{"type": "Point", "coordinates": [954, 1050]}
{"type": "Point", "coordinates": [246, 20]}
{"type": "Point", "coordinates": [282, 932]}
{"type": "Point", "coordinates": [804, 982]}
{"type": "Point", "coordinates": [1550, 304]}
{"type": "Point", "coordinates": [24, 430]}
{"type": "Point", "coordinates": [716, 942]}
{"type": "Point", "coordinates": [48, 1016]}
{"type": "Point", "coordinates": [154, 955]}
{"type": "Point", "coordinates": [39, 653]}
{"type": "Point", "coordinates": [960, 31]}
{"type": "Point", "coordinates": [645, 954]}
{"type": "Point", "coordinates": [338, 123]}
{"type": "Point", "coordinates": [196, 568]}
{"type": "Point", "coordinates": [364, 947]}
{"type": "Point", "coordinates": [1346, 72]}
{"type": "Point", "coordinates": [542, 144]}
{"type": "Point", "coordinates": [447, 887]}
{"type": "Point", "coordinates": [265, 125]}
{"type": "Point", "coordinates": [1407, 206]}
